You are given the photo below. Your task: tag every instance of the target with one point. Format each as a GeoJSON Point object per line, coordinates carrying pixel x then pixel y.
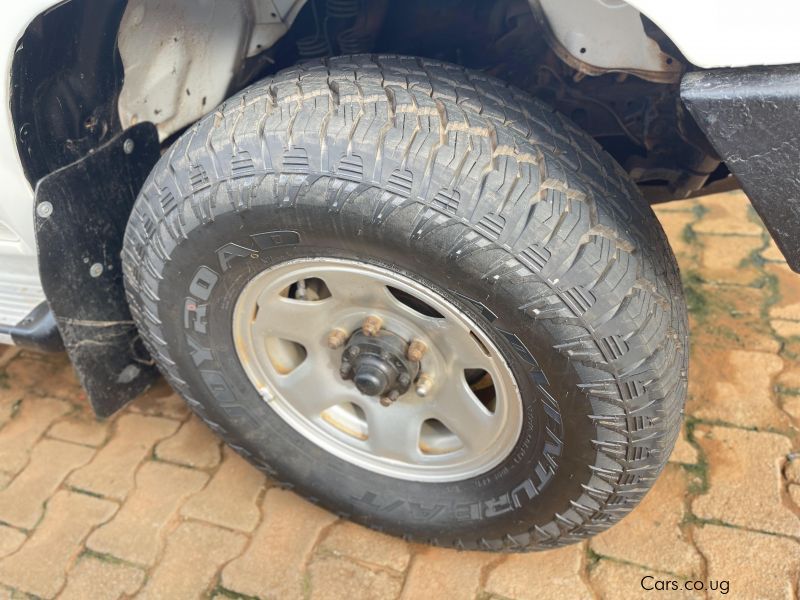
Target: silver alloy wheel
{"type": "Point", "coordinates": [459, 429]}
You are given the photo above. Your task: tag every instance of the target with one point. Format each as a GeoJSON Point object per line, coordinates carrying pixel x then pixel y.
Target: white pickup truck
{"type": "Point", "coordinates": [398, 253]}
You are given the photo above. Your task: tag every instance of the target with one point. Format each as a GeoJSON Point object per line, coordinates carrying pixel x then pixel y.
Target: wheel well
{"type": "Point", "coordinates": [87, 69]}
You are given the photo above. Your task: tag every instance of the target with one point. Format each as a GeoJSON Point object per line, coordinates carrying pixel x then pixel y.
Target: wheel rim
{"type": "Point", "coordinates": [284, 325]}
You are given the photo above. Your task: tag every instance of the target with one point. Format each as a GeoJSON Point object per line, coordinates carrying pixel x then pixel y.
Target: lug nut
{"type": "Point", "coordinates": [424, 385]}
{"type": "Point", "coordinates": [416, 350]}
{"type": "Point", "coordinates": [392, 397]}
{"type": "Point", "coordinates": [346, 370]}
{"type": "Point", "coordinates": [337, 338]}
{"type": "Point", "coordinates": [372, 325]}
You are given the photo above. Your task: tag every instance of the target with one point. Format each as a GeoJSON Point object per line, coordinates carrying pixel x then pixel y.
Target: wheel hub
{"type": "Point", "coordinates": [377, 365]}
{"type": "Point", "coordinates": [330, 343]}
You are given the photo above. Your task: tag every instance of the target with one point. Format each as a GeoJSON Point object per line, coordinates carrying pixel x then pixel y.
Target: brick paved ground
{"type": "Point", "coordinates": [149, 503]}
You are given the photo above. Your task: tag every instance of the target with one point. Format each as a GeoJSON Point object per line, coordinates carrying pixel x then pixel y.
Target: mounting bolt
{"type": "Point", "coordinates": [424, 385]}
{"type": "Point", "coordinates": [416, 350]}
{"type": "Point", "coordinates": [404, 379]}
{"type": "Point", "coordinates": [128, 146]}
{"type": "Point", "coordinates": [96, 270]}
{"type": "Point", "coordinates": [372, 325]}
{"type": "Point", "coordinates": [346, 370]}
{"type": "Point", "coordinates": [337, 338]}
{"type": "Point", "coordinates": [44, 209]}
{"type": "Point", "coordinates": [392, 397]}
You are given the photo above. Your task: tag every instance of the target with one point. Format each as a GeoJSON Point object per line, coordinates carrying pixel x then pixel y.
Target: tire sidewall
{"type": "Point", "coordinates": [203, 278]}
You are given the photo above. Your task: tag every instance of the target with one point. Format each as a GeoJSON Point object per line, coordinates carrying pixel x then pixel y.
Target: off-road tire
{"type": "Point", "coordinates": [486, 195]}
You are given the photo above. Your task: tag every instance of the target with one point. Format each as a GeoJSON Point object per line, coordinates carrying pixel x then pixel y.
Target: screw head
{"type": "Point", "coordinates": [44, 209]}
{"type": "Point", "coordinates": [96, 270]}
{"type": "Point", "coordinates": [337, 338]}
{"type": "Point", "coordinates": [128, 146]}
{"type": "Point", "coordinates": [404, 379]}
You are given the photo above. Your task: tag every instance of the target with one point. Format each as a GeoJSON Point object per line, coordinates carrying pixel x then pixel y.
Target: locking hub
{"type": "Point", "coordinates": [377, 364]}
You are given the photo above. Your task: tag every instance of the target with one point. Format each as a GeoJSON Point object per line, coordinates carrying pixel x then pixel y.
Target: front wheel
{"type": "Point", "coordinates": [419, 297]}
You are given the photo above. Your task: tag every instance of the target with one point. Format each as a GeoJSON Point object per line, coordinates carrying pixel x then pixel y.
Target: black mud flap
{"type": "Point", "coordinates": [81, 213]}
{"type": "Point", "coordinates": [751, 118]}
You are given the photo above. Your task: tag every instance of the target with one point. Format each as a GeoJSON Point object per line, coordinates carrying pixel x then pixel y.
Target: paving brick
{"type": "Point", "coordinates": [787, 304]}
{"type": "Point", "coordinates": [10, 540]}
{"type": "Point", "coordinates": [791, 406]}
{"type": "Point", "coordinates": [32, 419]}
{"type": "Point", "coordinates": [658, 517]}
{"type": "Point", "coordinates": [111, 473]}
{"type": "Point", "coordinates": [332, 578]}
{"type": "Point", "coordinates": [785, 329]}
{"type": "Point", "coordinates": [628, 582]}
{"type": "Point", "coordinates": [21, 503]}
{"type": "Point", "coordinates": [683, 452]}
{"type": "Point", "coordinates": [39, 566]}
{"type": "Point", "coordinates": [231, 497]}
{"type": "Point", "coordinates": [757, 565]}
{"type": "Point", "coordinates": [194, 445]}
{"type": "Point", "coordinates": [364, 545]}
{"type": "Point", "coordinates": [541, 575]}
{"type": "Point", "coordinates": [60, 381]}
{"type": "Point", "coordinates": [101, 580]}
{"type": "Point", "coordinates": [792, 470]}
{"type": "Point", "coordinates": [772, 253]}
{"type": "Point", "coordinates": [728, 213]}
{"type": "Point", "coordinates": [160, 401]}
{"type": "Point", "coordinates": [745, 481]}
{"type": "Point", "coordinates": [136, 532]}
{"type": "Point", "coordinates": [675, 225]}
{"type": "Point", "coordinates": [726, 259]}
{"type": "Point", "coordinates": [744, 396]}
{"type": "Point", "coordinates": [85, 430]}
{"type": "Point", "coordinates": [194, 554]}
{"type": "Point", "coordinates": [273, 564]}
{"type": "Point", "coordinates": [794, 494]}
{"type": "Point", "coordinates": [440, 573]}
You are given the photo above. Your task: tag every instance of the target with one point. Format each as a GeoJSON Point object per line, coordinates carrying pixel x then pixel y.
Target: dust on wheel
{"type": "Point", "coordinates": [419, 297]}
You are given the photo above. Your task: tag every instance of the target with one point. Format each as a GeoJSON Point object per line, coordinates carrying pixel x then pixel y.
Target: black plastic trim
{"type": "Point", "coordinates": [751, 118]}
{"type": "Point", "coordinates": [37, 331]}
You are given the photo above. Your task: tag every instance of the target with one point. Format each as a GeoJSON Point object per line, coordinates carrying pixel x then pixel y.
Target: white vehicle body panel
{"type": "Point", "coordinates": [728, 33]}
{"type": "Point", "coordinates": [710, 33]}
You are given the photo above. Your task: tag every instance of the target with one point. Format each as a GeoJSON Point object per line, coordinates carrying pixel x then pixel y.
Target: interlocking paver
{"type": "Point", "coordinates": [437, 573]}
{"type": "Point", "coordinates": [32, 419]}
{"type": "Point", "coordinates": [85, 430]}
{"type": "Point", "coordinates": [332, 578]}
{"type": "Point", "coordinates": [621, 581]}
{"type": "Point", "coordinates": [230, 498]}
{"type": "Point", "coordinates": [101, 580]}
{"type": "Point", "coordinates": [745, 395]}
{"type": "Point", "coordinates": [659, 517]}
{"type": "Point", "coordinates": [39, 567]}
{"type": "Point", "coordinates": [111, 473]}
{"type": "Point", "coordinates": [10, 540]}
{"type": "Point", "coordinates": [194, 554]}
{"type": "Point", "coordinates": [160, 401]}
{"type": "Point", "coordinates": [745, 481]}
{"type": "Point", "coordinates": [194, 445]}
{"type": "Point", "coordinates": [21, 503]}
{"type": "Point", "coordinates": [541, 575]}
{"type": "Point", "coordinates": [757, 565]}
{"type": "Point", "coordinates": [364, 545]}
{"type": "Point", "coordinates": [273, 564]}
{"type": "Point", "coordinates": [135, 533]}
